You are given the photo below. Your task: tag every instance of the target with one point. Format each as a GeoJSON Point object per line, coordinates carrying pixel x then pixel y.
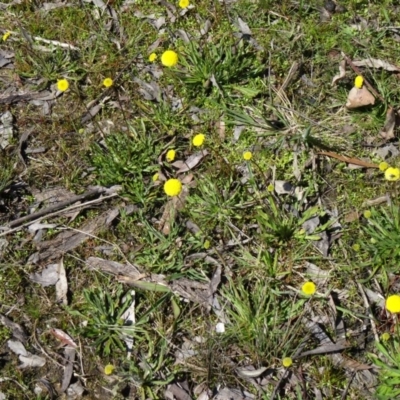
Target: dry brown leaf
{"type": "Point", "coordinates": [63, 337]}
{"type": "Point", "coordinates": [62, 283]}
{"type": "Point", "coordinates": [342, 72]}
{"type": "Point", "coordinates": [359, 98]}
{"type": "Point", "coordinates": [376, 63]}
{"type": "Point", "coordinates": [191, 162]}
{"type": "Point", "coordinates": [350, 160]}
{"type": "Point", "coordinates": [390, 123]}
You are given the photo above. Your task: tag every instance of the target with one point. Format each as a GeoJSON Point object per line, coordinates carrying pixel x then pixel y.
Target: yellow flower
{"type": "Point", "coordinates": [108, 82]}
{"type": "Point", "coordinates": [170, 155]}
{"type": "Point", "coordinates": [172, 187]}
{"type": "Point", "coordinates": [198, 140]}
{"type": "Point", "coordinates": [287, 362]}
{"type": "Point", "coordinates": [247, 155]}
{"type": "Point", "coordinates": [309, 288]}
{"type": "Point", "coordinates": [62, 85]}
{"type": "Point", "coordinates": [184, 3]}
{"type": "Point", "coordinates": [169, 58]}
{"type": "Point", "coordinates": [358, 82]}
{"type": "Point", "coordinates": [383, 166]}
{"type": "Point", "coordinates": [206, 244]}
{"type": "Point", "coordinates": [156, 176]}
{"type": "Point", "coordinates": [393, 303]}
{"type": "Point", "coordinates": [270, 188]}
{"type": "Point", "coordinates": [367, 214]}
{"type": "Point", "coordinates": [152, 57]}
{"type": "Point", "coordinates": [392, 174]}
{"type": "Point", "coordinates": [356, 247]}
{"type": "Point", "coordinates": [6, 36]}
{"type": "Point", "coordinates": [385, 336]}
{"type": "Point", "coordinates": [108, 369]}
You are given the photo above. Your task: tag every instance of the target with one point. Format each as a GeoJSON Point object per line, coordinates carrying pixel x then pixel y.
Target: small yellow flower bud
{"type": "Point", "coordinates": [358, 82]}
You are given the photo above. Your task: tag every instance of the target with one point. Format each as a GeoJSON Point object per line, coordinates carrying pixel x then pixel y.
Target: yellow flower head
{"type": "Point", "coordinates": [247, 155]}
{"type": "Point", "coordinates": [62, 85]}
{"type": "Point", "coordinates": [156, 176]}
{"type": "Point", "coordinates": [356, 247]}
{"type": "Point", "coordinates": [6, 36]}
{"type": "Point", "coordinates": [367, 214]}
{"type": "Point", "coordinates": [109, 369]}
{"type": "Point", "coordinates": [393, 303]}
{"type": "Point", "coordinates": [172, 187]}
{"type": "Point", "coordinates": [169, 58]}
{"type": "Point", "coordinates": [383, 166]}
{"type": "Point", "coordinates": [270, 188]}
{"type": "Point", "coordinates": [170, 155]}
{"type": "Point", "coordinates": [152, 57]}
{"type": "Point", "coordinates": [198, 140]}
{"type": "Point", "coordinates": [287, 362]}
{"type": "Point", "coordinates": [184, 3]}
{"type": "Point", "coordinates": [358, 82]}
{"type": "Point", "coordinates": [206, 244]}
{"type": "Point", "coordinates": [392, 174]}
{"type": "Point", "coordinates": [385, 336]}
{"type": "Point", "coordinates": [108, 82]}
{"type": "Point", "coordinates": [309, 288]}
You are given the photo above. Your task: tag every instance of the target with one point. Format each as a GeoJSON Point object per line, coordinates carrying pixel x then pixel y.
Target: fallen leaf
{"type": "Point", "coordinates": [390, 123]}
{"type": "Point", "coordinates": [17, 331]}
{"type": "Point", "coordinates": [31, 361]}
{"type": "Point", "coordinates": [76, 390]}
{"type": "Point", "coordinates": [342, 72]}
{"type": "Point", "coordinates": [17, 347]}
{"type": "Point", "coordinates": [387, 151]}
{"type": "Point", "coordinates": [251, 373]}
{"type": "Point", "coordinates": [283, 187]}
{"type": "Point", "coordinates": [62, 283]}
{"type": "Point", "coordinates": [69, 358]}
{"type": "Point", "coordinates": [376, 63]}
{"type": "Point", "coordinates": [48, 277]}
{"type": "Point", "coordinates": [129, 320]}
{"type": "Point", "coordinates": [6, 129]}
{"type": "Point", "coordinates": [359, 98]}
{"type": "Point", "coordinates": [191, 162]}
{"type": "Point", "coordinates": [63, 337]}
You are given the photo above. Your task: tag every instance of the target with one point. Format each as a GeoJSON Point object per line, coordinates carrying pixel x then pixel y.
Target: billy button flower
{"type": "Point", "coordinates": [62, 85]}
{"type": "Point", "coordinates": [108, 82]}
{"type": "Point", "coordinates": [6, 36]}
{"type": "Point", "coordinates": [358, 82]}
{"type": "Point", "coordinates": [184, 3]}
{"type": "Point", "coordinates": [172, 187]}
{"type": "Point", "coordinates": [392, 174]}
{"type": "Point", "coordinates": [247, 155]}
{"type": "Point", "coordinates": [170, 155]}
{"type": "Point", "coordinates": [367, 214]}
{"type": "Point", "coordinates": [309, 288]}
{"type": "Point", "coordinates": [152, 57]}
{"type": "Point", "coordinates": [287, 362]}
{"type": "Point", "coordinates": [109, 369]}
{"type": "Point", "coordinates": [383, 166]}
{"type": "Point", "coordinates": [198, 140]}
{"type": "Point", "coordinates": [393, 303]}
{"type": "Point", "coordinates": [169, 58]}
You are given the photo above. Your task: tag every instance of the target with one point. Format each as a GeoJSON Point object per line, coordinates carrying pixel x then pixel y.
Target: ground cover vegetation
{"type": "Point", "coordinates": [199, 199]}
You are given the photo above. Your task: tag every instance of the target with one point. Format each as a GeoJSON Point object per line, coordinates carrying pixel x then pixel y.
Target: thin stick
{"type": "Point", "coordinates": [56, 207]}
{"type": "Point", "coordinates": [73, 207]}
